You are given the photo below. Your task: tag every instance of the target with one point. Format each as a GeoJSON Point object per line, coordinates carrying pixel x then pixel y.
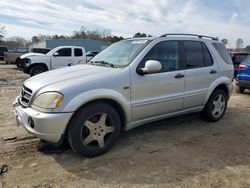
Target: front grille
{"type": "Point", "coordinates": [25, 96]}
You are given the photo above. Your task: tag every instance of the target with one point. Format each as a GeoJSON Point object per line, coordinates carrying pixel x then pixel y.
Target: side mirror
{"type": "Point", "coordinates": [151, 66]}
{"type": "Point", "coordinates": [56, 54]}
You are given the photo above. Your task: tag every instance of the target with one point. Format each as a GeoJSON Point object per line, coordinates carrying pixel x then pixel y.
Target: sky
{"type": "Point", "coordinates": [222, 18]}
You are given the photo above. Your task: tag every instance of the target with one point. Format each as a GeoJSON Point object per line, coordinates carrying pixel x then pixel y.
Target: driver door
{"type": "Point", "coordinates": [159, 93]}
{"type": "Point", "coordinates": [62, 58]}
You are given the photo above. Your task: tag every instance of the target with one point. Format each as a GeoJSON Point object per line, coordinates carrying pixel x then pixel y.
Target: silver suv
{"type": "Point", "coordinates": [130, 83]}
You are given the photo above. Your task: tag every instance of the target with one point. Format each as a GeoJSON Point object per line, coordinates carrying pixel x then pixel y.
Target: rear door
{"type": "Point", "coordinates": [79, 56]}
{"type": "Point", "coordinates": [62, 58]}
{"type": "Point", "coordinates": [200, 72]}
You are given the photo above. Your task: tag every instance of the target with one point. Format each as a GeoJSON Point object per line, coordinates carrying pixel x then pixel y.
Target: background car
{"type": "Point", "coordinates": [243, 76]}
{"type": "Point", "coordinates": [61, 56]}
{"type": "Point", "coordinates": [12, 55]}
{"type": "Point", "coordinates": [2, 50]}
{"type": "Point", "coordinates": [20, 63]}
{"type": "Point", "coordinates": [237, 58]}
{"type": "Point", "coordinates": [91, 54]}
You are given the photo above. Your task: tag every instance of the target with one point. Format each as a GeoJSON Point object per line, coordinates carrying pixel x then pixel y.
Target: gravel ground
{"type": "Point", "coordinates": [179, 152]}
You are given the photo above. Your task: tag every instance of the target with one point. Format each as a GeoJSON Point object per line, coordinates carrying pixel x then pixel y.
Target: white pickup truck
{"type": "Point", "coordinates": [62, 56]}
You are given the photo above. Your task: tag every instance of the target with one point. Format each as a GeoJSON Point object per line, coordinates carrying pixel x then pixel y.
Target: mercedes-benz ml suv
{"type": "Point", "coordinates": [130, 83]}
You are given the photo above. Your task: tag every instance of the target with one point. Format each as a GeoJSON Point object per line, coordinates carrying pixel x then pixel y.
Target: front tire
{"type": "Point", "coordinates": [216, 106]}
{"type": "Point", "coordinates": [94, 129]}
{"type": "Point", "coordinates": [37, 70]}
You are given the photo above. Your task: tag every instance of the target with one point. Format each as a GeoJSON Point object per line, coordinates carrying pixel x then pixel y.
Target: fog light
{"type": "Point", "coordinates": [31, 122]}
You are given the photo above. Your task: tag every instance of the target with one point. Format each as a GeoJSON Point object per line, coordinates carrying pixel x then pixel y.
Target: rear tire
{"type": "Point", "coordinates": [36, 70]}
{"type": "Point", "coordinates": [240, 89]}
{"type": "Point", "coordinates": [216, 106]}
{"type": "Point", "coordinates": [94, 129]}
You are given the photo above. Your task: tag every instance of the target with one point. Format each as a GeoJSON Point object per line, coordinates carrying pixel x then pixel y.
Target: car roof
{"type": "Point", "coordinates": [69, 47]}
{"type": "Point", "coordinates": [177, 36]}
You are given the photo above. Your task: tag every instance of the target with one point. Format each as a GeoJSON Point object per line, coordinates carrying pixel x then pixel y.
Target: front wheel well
{"type": "Point", "coordinates": [112, 103]}
{"type": "Point", "coordinates": [37, 64]}
{"type": "Point", "coordinates": [17, 59]}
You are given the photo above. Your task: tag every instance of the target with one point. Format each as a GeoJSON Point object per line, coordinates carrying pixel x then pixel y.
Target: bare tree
{"type": "Point", "coordinates": [239, 43]}
{"type": "Point", "coordinates": [80, 34]}
{"type": "Point", "coordinates": [19, 41]}
{"type": "Point", "coordinates": [2, 32]}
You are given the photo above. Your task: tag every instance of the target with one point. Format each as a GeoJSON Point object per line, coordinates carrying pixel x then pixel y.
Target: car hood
{"type": "Point", "coordinates": [31, 54]}
{"type": "Point", "coordinates": [62, 78]}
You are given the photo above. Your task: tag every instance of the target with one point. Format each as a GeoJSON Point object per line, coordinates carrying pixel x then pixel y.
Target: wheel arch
{"type": "Point", "coordinates": [224, 83]}
{"type": "Point", "coordinates": [36, 64]}
{"type": "Point", "coordinates": [110, 102]}
{"type": "Point", "coordinates": [111, 97]}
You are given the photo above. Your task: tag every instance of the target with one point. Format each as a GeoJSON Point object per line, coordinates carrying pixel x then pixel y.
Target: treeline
{"type": "Point", "coordinates": [82, 33]}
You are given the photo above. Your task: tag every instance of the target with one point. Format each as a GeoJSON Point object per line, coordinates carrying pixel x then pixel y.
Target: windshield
{"type": "Point", "coordinates": [122, 53]}
{"type": "Point", "coordinates": [50, 53]}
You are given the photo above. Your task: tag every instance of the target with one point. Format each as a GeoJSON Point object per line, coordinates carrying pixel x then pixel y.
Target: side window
{"type": "Point", "coordinates": [207, 56]}
{"type": "Point", "coordinates": [193, 54]}
{"type": "Point", "coordinates": [78, 52]}
{"type": "Point", "coordinates": [167, 53]}
{"type": "Point", "coordinates": [64, 52]}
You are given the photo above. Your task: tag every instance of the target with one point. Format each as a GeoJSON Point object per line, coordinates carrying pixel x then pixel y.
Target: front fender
{"type": "Point", "coordinates": [40, 60]}
{"type": "Point", "coordinates": [220, 81]}
{"type": "Point", "coordinates": [98, 94]}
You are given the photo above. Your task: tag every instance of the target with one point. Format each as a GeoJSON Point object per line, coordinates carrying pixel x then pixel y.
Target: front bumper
{"type": "Point", "coordinates": [243, 83]}
{"type": "Point", "coordinates": [46, 126]}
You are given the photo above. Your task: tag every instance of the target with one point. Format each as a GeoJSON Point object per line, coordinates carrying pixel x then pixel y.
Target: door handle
{"type": "Point", "coordinates": [179, 75]}
{"type": "Point", "coordinates": [213, 71]}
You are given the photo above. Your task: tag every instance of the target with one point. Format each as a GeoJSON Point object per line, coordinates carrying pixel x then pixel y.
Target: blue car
{"type": "Point", "coordinates": [243, 76]}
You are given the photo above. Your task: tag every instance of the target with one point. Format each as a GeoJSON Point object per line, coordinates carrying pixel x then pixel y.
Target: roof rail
{"type": "Point", "coordinates": [186, 34]}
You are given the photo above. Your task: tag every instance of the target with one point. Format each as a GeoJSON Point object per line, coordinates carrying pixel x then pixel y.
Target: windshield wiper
{"type": "Point", "coordinates": [104, 63]}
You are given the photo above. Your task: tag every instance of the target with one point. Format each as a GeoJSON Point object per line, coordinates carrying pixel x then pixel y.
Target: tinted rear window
{"type": "Point", "coordinates": [193, 54]}
{"type": "Point", "coordinates": [78, 52]}
{"type": "Point", "coordinates": [207, 56]}
{"type": "Point", "coordinates": [221, 49]}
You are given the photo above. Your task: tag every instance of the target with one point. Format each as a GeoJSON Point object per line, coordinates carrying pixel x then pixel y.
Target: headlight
{"type": "Point", "coordinates": [49, 100]}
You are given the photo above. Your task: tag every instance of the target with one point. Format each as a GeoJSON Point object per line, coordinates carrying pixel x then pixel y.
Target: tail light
{"type": "Point", "coordinates": [242, 67]}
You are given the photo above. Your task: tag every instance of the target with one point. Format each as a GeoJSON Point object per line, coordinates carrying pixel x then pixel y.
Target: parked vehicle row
{"type": "Point", "coordinates": [62, 56]}
{"type": "Point", "coordinates": [14, 55]}
{"type": "Point", "coordinates": [130, 83]}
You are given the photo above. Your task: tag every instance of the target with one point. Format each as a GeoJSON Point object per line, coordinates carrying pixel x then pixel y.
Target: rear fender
{"type": "Point", "coordinates": [220, 81]}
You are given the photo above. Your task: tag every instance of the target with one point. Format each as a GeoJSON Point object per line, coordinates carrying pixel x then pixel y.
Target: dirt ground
{"type": "Point", "coordinates": [179, 152]}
